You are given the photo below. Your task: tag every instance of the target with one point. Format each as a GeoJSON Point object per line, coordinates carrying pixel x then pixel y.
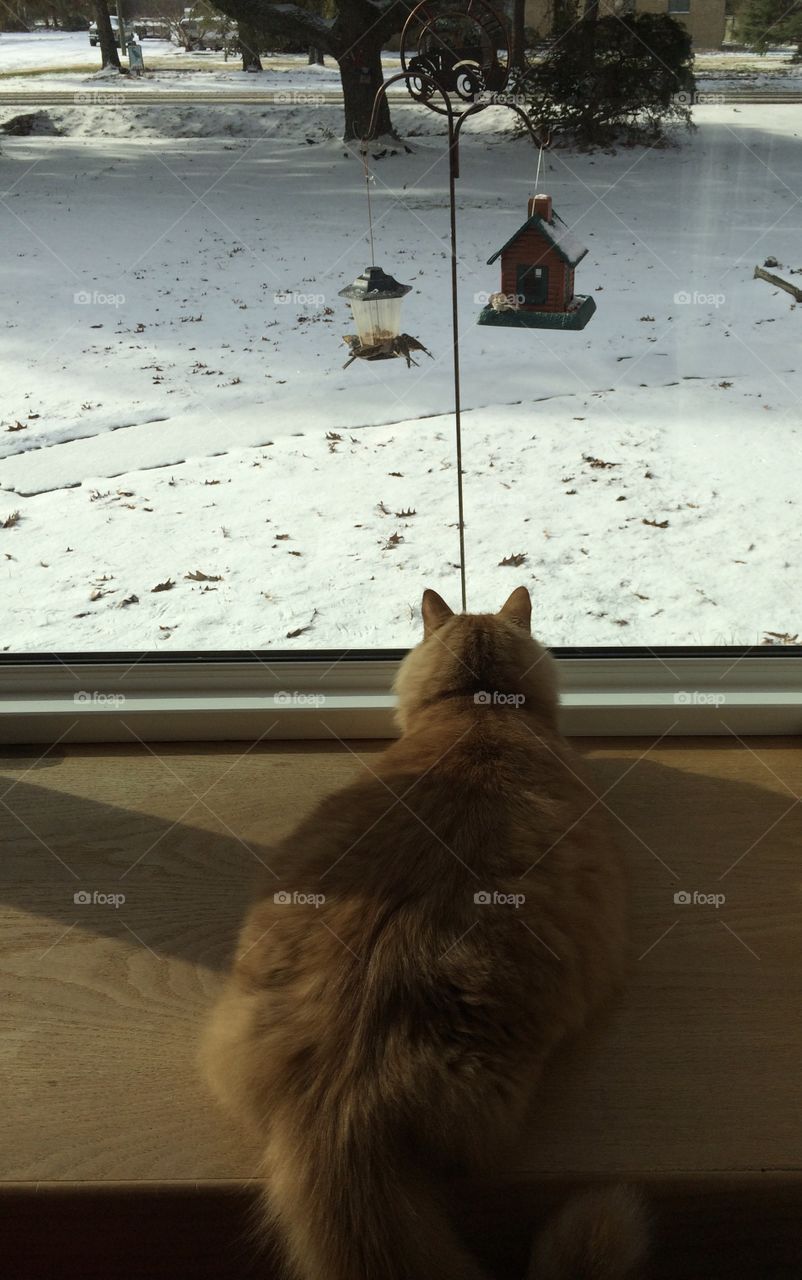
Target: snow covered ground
{"type": "Point", "coordinates": [175, 403]}
{"type": "Point", "coordinates": [61, 59]}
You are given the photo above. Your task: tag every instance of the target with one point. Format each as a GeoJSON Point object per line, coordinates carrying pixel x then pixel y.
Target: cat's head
{"type": "Point", "coordinates": [491, 658]}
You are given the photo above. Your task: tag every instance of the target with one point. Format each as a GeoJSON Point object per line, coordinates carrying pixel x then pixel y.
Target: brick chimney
{"type": "Point", "coordinates": [540, 205]}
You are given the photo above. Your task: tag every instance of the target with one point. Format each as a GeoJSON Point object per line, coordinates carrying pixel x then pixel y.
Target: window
{"type": "Point", "coordinates": [679, 6]}
{"type": "Point", "coordinates": [202, 508]}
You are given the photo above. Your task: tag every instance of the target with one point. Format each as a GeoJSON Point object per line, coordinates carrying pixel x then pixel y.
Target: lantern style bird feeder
{"type": "Point", "coordinates": [537, 275]}
{"type": "Point", "coordinates": [375, 299]}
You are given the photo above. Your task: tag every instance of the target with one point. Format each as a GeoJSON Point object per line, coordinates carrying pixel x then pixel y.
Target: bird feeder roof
{"type": "Point", "coordinates": [374, 285]}
{"type": "Point", "coordinates": [571, 250]}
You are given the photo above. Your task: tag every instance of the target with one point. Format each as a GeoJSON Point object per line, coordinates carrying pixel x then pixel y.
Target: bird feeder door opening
{"type": "Point", "coordinates": [533, 285]}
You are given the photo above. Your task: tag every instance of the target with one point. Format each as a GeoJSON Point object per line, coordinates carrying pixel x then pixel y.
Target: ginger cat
{"type": "Point", "coordinates": [391, 1035]}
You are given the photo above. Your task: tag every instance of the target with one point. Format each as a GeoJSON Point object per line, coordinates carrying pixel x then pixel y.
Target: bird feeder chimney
{"type": "Point", "coordinates": [540, 206]}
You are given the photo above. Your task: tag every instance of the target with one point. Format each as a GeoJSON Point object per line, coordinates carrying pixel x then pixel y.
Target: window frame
{"type": "Point", "coordinates": [252, 696]}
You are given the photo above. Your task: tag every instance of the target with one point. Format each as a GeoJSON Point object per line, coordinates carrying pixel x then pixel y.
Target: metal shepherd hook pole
{"type": "Point", "coordinates": [422, 87]}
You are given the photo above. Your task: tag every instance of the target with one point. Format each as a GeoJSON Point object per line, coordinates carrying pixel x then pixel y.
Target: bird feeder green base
{"type": "Point", "coordinates": [517, 318]}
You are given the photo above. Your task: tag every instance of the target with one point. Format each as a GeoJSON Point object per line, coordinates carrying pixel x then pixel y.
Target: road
{"type": "Point", "coordinates": [140, 94]}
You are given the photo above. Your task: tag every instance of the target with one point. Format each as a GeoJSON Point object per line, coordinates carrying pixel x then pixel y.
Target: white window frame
{"type": "Point", "coordinates": [290, 696]}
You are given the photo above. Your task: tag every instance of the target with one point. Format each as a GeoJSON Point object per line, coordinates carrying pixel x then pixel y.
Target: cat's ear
{"type": "Point", "coordinates": [435, 611]}
{"type": "Point", "coordinates": [518, 609]}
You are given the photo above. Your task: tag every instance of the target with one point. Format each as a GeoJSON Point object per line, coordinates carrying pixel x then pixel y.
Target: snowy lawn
{"type": "Point", "coordinates": [62, 59]}
{"type": "Point", "coordinates": [175, 402]}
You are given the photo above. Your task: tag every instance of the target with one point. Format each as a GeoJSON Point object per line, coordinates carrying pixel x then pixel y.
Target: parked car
{"type": "Point", "coordinates": [193, 33]}
{"type": "Point", "coordinates": [153, 29]}
{"type": "Point", "coordinates": [137, 26]}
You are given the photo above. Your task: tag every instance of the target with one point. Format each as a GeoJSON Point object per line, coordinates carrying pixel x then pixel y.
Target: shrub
{"type": "Point", "coordinates": [618, 78]}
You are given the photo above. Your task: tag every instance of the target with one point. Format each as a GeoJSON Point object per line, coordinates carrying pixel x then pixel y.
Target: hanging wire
{"type": "Point", "coordinates": [368, 180]}
{"type": "Point", "coordinates": [539, 165]}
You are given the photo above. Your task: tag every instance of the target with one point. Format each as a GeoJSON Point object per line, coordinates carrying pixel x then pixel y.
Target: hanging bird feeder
{"type": "Point", "coordinates": [537, 275]}
{"type": "Point", "coordinates": [375, 299]}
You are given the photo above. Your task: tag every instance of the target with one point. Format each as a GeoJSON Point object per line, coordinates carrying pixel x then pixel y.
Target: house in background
{"type": "Point", "coordinates": [705, 19]}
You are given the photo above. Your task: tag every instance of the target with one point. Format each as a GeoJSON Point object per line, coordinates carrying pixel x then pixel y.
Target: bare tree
{"type": "Point", "coordinates": [517, 36]}
{"type": "Point", "coordinates": [354, 37]}
{"type": "Point", "coordinates": [106, 38]}
{"type": "Point", "coordinates": [565, 15]}
{"type": "Point", "coordinates": [587, 35]}
{"type": "Point", "coordinates": [249, 44]}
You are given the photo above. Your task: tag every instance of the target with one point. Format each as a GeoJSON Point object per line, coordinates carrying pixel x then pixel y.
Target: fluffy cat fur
{"type": "Point", "coordinates": [392, 1036]}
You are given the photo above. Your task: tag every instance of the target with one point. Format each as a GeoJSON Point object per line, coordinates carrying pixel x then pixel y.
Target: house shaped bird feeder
{"type": "Point", "coordinates": [537, 275]}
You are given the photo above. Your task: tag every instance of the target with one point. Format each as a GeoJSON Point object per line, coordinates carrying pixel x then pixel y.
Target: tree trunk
{"type": "Point", "coordinates": [362, 77]}
{"type": "Point", "coordinates": [517, 38]}
{"type": "Point", "coordinates": [564, 16]}
{"type": "Point", "coordinates": [108, 43]}
{"type": "Point", "coordinates": [587, 39]}
{"type": "Point", "coordinates": [315, 57]}
{"type": "Point", "coordinates": [249, 48]}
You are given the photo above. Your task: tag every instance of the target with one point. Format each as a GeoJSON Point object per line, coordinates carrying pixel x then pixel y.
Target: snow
{"type": "Point", "coordinates": [27, 51]}
{"type": "Point", "coordinates": [183, 414]}
{"type": "Point", "coordinates": [63, 59]}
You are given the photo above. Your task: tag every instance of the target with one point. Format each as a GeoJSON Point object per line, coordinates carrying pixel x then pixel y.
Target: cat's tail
{"type": "Point", "coordinates": [350, 1206]}
{"type": "Point", "coordinates": [601, 1234]}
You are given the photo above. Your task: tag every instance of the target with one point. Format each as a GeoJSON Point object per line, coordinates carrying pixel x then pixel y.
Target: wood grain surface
{"type": "Point", "coordinates": [695, 1075]}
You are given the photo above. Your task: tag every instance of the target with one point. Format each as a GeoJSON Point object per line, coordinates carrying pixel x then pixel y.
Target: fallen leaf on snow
{"type": "Point", "coordinates": [598, 463]}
